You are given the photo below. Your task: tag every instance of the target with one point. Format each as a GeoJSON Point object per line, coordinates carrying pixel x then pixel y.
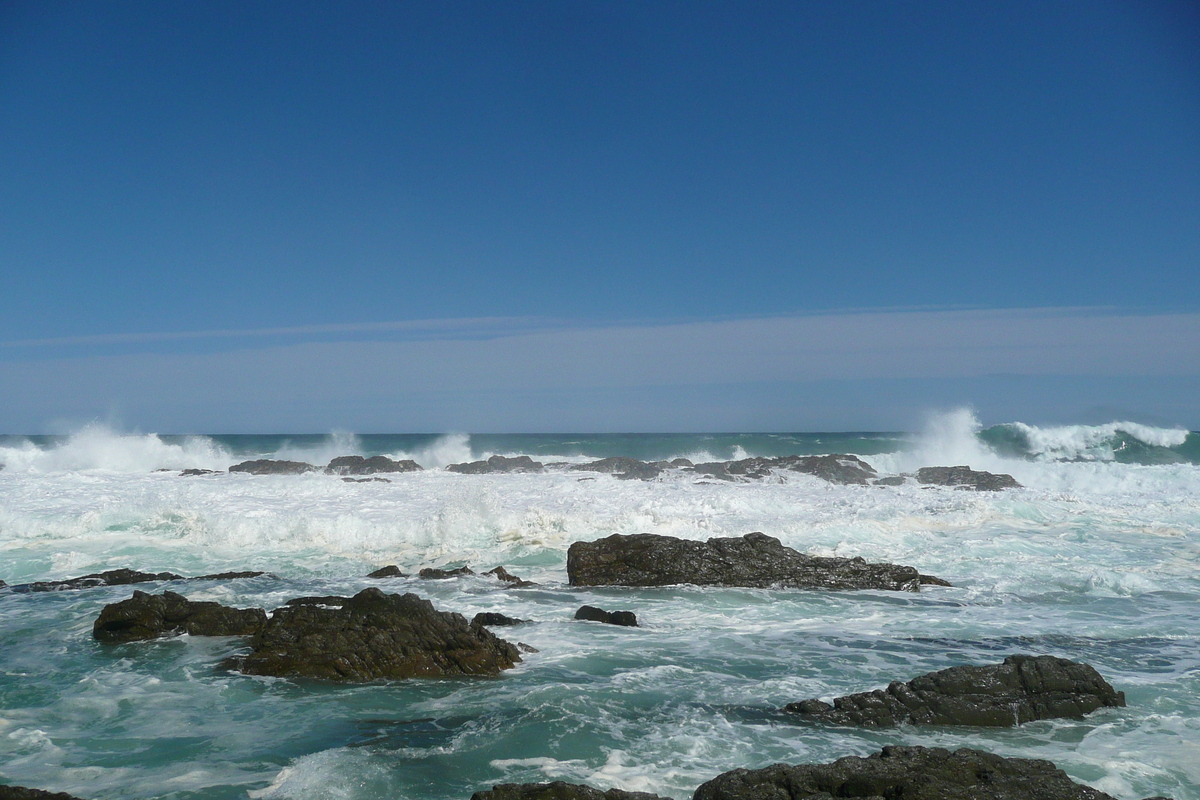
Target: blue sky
{"type": "Point", "coordinates": [199, 195]}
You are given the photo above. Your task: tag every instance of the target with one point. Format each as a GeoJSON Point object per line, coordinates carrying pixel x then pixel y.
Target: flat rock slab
{"type": "Point", "coordinates": [124, 577]}
{"type": "Point", "coordinates": [966, 478]}
{"type": "Point", "coordinates": [150, 616]}
{"type": "Point", "coordinates": [374, 636]}
{"type": "Point", "coordinates": [557, 791]}
{"type": "Point", "coordinates": [754, 560]}
{"type": "Point", "coordinates": [911, 773]}
{"type": "Point", "coordinates": [265, 466]}
{"type": "Point", "coordinates": [1022, 689]}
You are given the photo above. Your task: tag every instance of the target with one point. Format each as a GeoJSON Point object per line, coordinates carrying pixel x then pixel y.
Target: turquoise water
{"type": "Point", "coordinates": [1094, 560]}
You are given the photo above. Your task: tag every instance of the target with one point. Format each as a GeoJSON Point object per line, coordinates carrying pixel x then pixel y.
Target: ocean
{"type": "Point", "coordinates": [1096, 559]}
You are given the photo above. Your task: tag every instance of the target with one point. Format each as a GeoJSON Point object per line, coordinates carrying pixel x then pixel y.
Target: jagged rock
{"type": "Point", "coordinates": [495, 618]}
{"type": "Point", "coordinates": [149, 616]}
{"type": "Point", "coordinates": [910, 773]}
{"type": "Point", "coordinates": [1021, 689]}
{"type": "Point", "coordinates": [357, 465]}
{"type": "Point", "coordinates": [966, 478]}
{"type": "Point", "coordinates": [755, 560]}
{"type": "Point", "coordinates": [623, 468]}
{"type": "Point", "coordinates": [22, 793]}
{"type": "Point", "coordinates": [558, 790]}
{"type": "Point", "coordinates": [504, 575]}
{"type": "Point", "coordinates": [265, 466]}
{"type": "Point", "coordinates": [374, 636]}
{"type": "Point", "coordinates": [112, 577]}
{"type": "Point", "coordinates": [430, 573]}
{"type": "Point", "coordinates": [192, 472]}
{"type": "Point", "coordinates": [498, 464]}
{"type": "Point", "coordinates": [593, 614]}
{"type": "Point", "coordinates": [390, 571]}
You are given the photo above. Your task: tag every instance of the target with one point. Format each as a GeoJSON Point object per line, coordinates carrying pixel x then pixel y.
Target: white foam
{"type": "Point", "coordinates": [98, 447]}
{"type": "Point", "coordinates": [1093, 441]}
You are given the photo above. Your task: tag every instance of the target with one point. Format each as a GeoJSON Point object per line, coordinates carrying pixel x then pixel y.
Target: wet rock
{"type": "Point", "coordinates": [1022, 689]}
{"type": "Point", "coordinates": [593, 614]}
{"type": "Point", "coordinates": [22, 793]}
{"type": "Point", "coordinates": [835, 468]}
{"type": "Point", "coordinates": [357, 465]}
{"type": "Point", "coordinates": [265, 466]}
{"type": "Point", "coordinates": [390, 571]}
{"type": "Point", "coordinates": [231, 576]}
{"type": "Point", "coordinates": [374, 636]}
{"type": "Point", "coordinates": [494, 618]}
{"type": "Point", "coordinates": [966, 478]}
{"type": "Point", "coordinates": [504, 575]}
{"type": "Point", "coordinates": [429, 573]}
{"type": "Point", "coordinates": [318, 600]}
{"type": "Point", "coordinates": [193, 472]}
{"type": "Point", "coordinates": [150, 616]}
{"type": "Point", "coordinates": [891, 480]}
{"type": "Point", "coordinates": [557, 791]}
{"type": "Point", "coordinates": [754, 560]}
{"type": "Point", "coordinates": [623, 468]}
{"type": "Point", "coordinates": [911, 773]}
{"type": "Point", "coordinates": [366, 480]}
{"type": "Point", "coordinates": [527, 648]}
{"type": "Point", "coordinates": [681, 462]}
{"type": "Point", "coordinates": [112, 577]}
{"type": "Point", "coordinates": [497, 464]}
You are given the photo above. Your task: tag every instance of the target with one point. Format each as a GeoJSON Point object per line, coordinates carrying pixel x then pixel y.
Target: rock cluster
{"type": "Point", "coordinates": [1022, 689]}
{"type": "Point", "coordinates": [966, 478]}
{"type": "Point", "coordinates": [357, 465]}
{"type": "Point", "coordinates": [593, 614]}
{"type": "Point", "coordinates": [911, 773]}
{"type": "Point", "coordinates": [374, 636]}
{"type": "Point", "coordinates": [754, 560]}
{"type": "Point", "coordinates": [497, 464]}
{"type": "Point", "coordinates": [625, 468]}
{"type": "Point", "coordinates": [123, 577]}
{"type": "Point", "coordinates": [149, 616]}
{"type": "Point", "coordinates": [266, 466]}
{"type": "Point", "coordinates": [835, 468]}
{"type": "Point", "coordinates": [495, 618]}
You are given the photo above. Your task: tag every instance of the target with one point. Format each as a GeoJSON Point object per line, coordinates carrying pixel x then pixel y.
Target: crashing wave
{"type": "Point", "coordinates": [1123, 442]}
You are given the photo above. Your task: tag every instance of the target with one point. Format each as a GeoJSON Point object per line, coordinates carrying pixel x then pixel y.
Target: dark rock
{"type": "Point", "coordinates": [755, 560]}
{"type": "Point", "coordinates": [1021, 689]}
{"type": "Point", "coordinates": [557, 791]}
{"type": "Point", "coordinates": [230, 576]}
{"type": "Point", "coordinates": [713, 469]}
{"type": "Point", "coordinates": [265, 466]}
{"type": "Point", "coordinates": [593, 614]}
{"type": "Point", "coordinates": [149, 616]}
{"type": "Point", "coordinates": [113, 577]}
{"type": "Point", "coordinates": [357, 465]}
{"type": "Point", "coordinates": [681, 462]}
{"type": "Point", "coordinates": [374, 636]}
{"type": "Point", "coordinates": [498, 464]}
{"type": "Point", "coordinates": [835, 468]}
{"type": "Point", "coordinates": [318, 600]}
{"type": "Point", "coordinates": [430, 573]}
{"type": "Point", "coordinates": [891, 480]}
{"type": "Point", "coordinates": [623, 468]}
{"type": "Point", "coordinates": [527, 648]}
{"type": "Point", "coordinates": [390, 571]}
{"type": "Point", "coordinates": [190, 472]}
{"type": "Point", "coordinates": [495, 618]}
{"type": "Point", "coordinates": [910, 773]}
{"type": "Point", "coordinates": [966, 478]}
{"type": "Point", "coordinates": [22, 793]}
{"type": "Point", "coordinates": [504, 575]}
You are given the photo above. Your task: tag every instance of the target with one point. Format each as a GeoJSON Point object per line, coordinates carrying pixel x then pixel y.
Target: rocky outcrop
{"type": "Point", "coordinates": [194, 472]}
{"type": "Point", "coordinates": [966, 478]}
{"type": "Point", "coordinates": [1022, 689]}
{"type": "Point", "coordinates": [22, 793]}
{"type": "Point", "coordinates": [836, 468]}
{"type": "Point", "coordinates": [430, 573]}
{"type": "Point", "coordinates": [557, 791]}
{"type": "Point", "coordinates": [150, 616]}
{"type": "Point", "coordinates": [357, 465]}
{"type": "Point", "coordinates": [265, 466]}
{"type": "Point", "coordinates": [623, 468]}
{"type": "Point", "coordinates": [754, 560]}
{"type": "Point", "coordinates": [593, 614]}
{"type": "Point", "coordinates": [910, 773]}
{"type": "Point", "coordinates": [390, 571]}
{"type": "Point", "coordinates": [123, 577]}
{"type": "Point", "coordinates": [513, 581]}
{"type": "Point", "coordinates": [374, 636]}
{"type": "Point", "coordinates": [495, 619]}
{"type": "Point", "coordinates": [497, 464]}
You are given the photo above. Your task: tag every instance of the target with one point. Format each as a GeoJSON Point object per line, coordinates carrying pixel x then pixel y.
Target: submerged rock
{"type": "Point", "coordinates": [558, 790]}
{"type": "Point", "coordinates": [891, 480]}
{"type": "Point", "coordinates": [966, 478]}
{"type": "Point", "coordinates": [754, 560]}
{"type": "Point", "coordinates": [22, 793]}
{"type": "Point", "coordinates": [495, 619]}
{"type": "Point", "coordinates": [507, 577]}
{"type": "Point", "coordinates": [593, 614]}
{"type": "Point", "coordinates": [265, 466]}
{"type": "Point", "coordinates": [150, 616]}
{"type": "Point", "coordinates": [430, 573]}
{"type": "Point", "coordinates": [623, 468]}
{"type": "Point", "coordinates": [907, 773]}
{"type": "Point", "coordinates": [124, 577]}
{"type": "Point", "coordinates": [193, 472]}
{"type": "Point", "coordinates": [497, 464]}
{"type": "Point", "coordinates": [231, 576]}
{"type": "Point", "coordinates": [374, 636]}
{"type": "Point", "coordinates": [390, 571]}
{"type": "Point", "coordinates": [357, 465]}
{"type": "Point", "coordinates": [1022, 689]}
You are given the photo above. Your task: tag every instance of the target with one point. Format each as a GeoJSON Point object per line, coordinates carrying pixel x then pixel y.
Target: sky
{"type": "Point", "coordinates": [547, 216]}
